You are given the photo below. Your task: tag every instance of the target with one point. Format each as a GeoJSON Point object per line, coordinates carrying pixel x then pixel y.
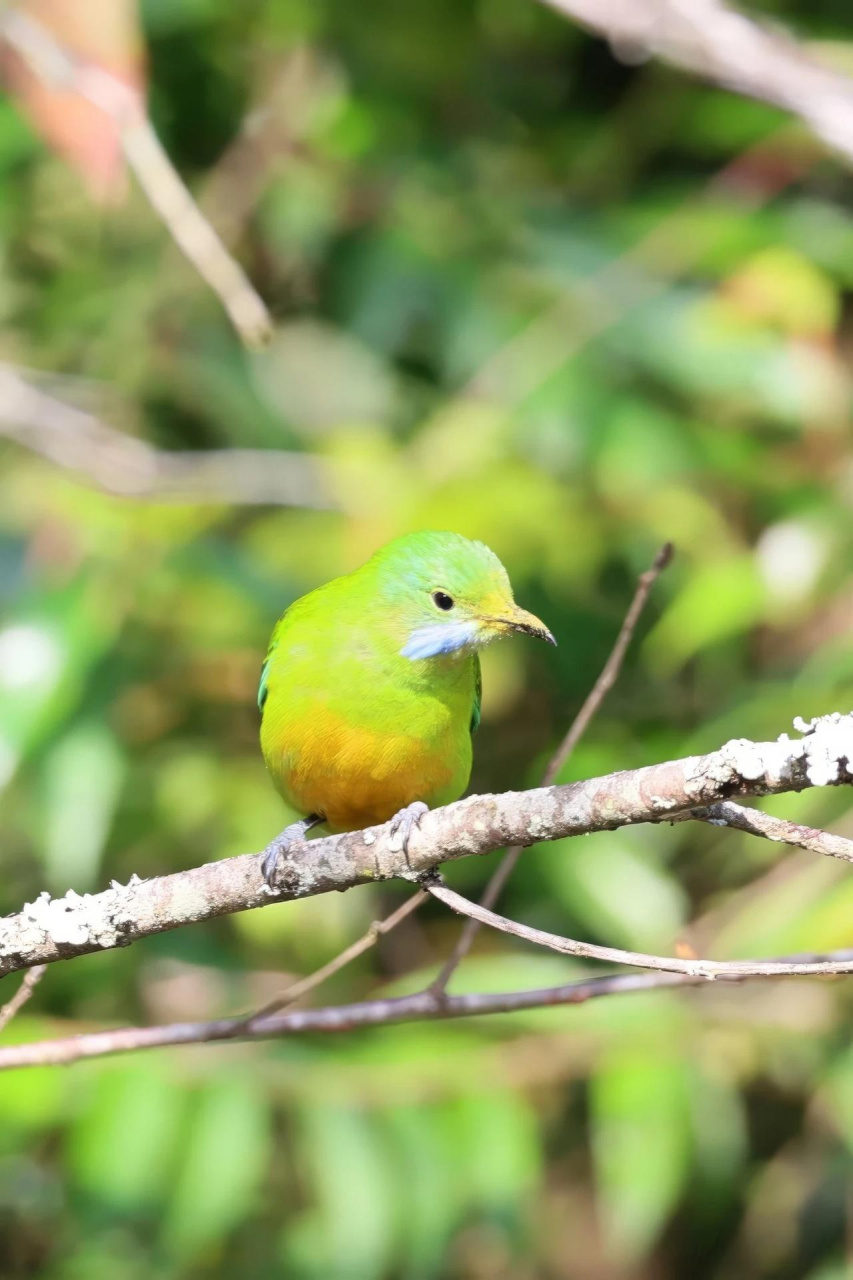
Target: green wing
{"type": "Point", "coordinates": [478, 695]}
{"type": "Point", "coordinates": [304, 607]}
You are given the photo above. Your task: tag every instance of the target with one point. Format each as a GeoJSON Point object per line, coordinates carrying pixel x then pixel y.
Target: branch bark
{"type": "Point", "coordinates": [49, 930]}
{"type": "Point", "coordinates": [711, 40]}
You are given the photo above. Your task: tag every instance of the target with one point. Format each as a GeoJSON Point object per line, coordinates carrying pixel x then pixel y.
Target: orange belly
{"type": "Point", "coordinates": [356, 778]}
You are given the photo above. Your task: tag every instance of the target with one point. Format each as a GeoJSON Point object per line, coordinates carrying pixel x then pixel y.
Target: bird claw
{"type": "Point", "coordinates": [404, 822]}
{"type": "Point", "coordinates": [276, 849]}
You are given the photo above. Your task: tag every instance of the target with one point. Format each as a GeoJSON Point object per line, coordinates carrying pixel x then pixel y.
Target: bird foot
{"type": "Point", "coordinates": [277, 848]}
{"type": "Point", "coordinates": [404, 822]}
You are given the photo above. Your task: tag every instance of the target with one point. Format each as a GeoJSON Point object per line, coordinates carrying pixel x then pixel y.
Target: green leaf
{"type": "Point", "coordinates": [423, 1152]}
{"type": "Point", "coordinates": [618, 893]}
{"type": "Point", "coordinates": [34, 1099]}
{"type": "Point", "coordinates": [497, 1152]}
{"type": "Point", "coordinates": [82, 777]}
{"type": "Point", "coordinates": [351, 1229]}
{"type": "Point", "coordinates": [640, 1120]}
{"type": "Point", "coordinates": [123, 1142]}
{"type": "Point", "coordinates": [224, 1159]}
{"type": "Point", "coordinates": [720, 600]}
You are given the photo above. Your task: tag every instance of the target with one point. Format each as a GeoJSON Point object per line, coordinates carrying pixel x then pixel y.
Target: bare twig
{"type": "Point", "coordinates": [369, 939]}
{"type": "Point", "coordinates": [49, 930]}
{"type": "Point", "coordinates": [59, 68]}
{"type": "Point", "coordinates": [721, 45]}
{"type": "Point", "coordinates": [125, 465]}
{"type": "Point", "coordinates": [611, 668]}
{"type": "Point", "coordinates": [422, 1006]}
{"type": "Point", "coordinates": [31, 980]}
{"type": "Point", "coordinates": [708, 969]}
{"type": "Point", "coordinates": [728, 814]}
{"type": "Point", "coordinates": [603, 685]}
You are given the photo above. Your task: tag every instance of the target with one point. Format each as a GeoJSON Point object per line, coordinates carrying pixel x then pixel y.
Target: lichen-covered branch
{"type": "Point", "coordinates": [57, 929]}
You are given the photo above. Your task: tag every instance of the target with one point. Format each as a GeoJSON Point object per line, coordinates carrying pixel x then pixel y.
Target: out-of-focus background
{"type": "Point", "coordinates": [569, 305]}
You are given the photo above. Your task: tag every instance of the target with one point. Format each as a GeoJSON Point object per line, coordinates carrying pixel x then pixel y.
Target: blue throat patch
{"type": "Point", "coordinates": [438, 638]}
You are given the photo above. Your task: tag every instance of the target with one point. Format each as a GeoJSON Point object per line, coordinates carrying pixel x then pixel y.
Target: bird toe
{"type": "Point", "coordinates": [269, 860]}
{"type": "Point", "coordinates": [404, 822]}
{"type": "Point", "coordinates": [279, 847]}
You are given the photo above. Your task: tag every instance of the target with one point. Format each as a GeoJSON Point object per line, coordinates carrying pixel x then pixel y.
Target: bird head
{"type": "Point", "coordinates": [451, 594]}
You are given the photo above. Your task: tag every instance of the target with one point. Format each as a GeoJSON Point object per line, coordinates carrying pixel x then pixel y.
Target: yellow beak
{"type": "Point", "coordinates": [516, 619]}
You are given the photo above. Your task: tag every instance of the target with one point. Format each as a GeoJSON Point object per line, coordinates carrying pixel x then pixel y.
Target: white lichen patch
{"type": "Point", "coordinates": [819, 757]}
{"type": "Point", "coordinates": [828, 748]}
{"type": "Point", "coordinates": [821, 753]}
{"type": "Point", "coordinates": [746, 759]}
{"type": "Point", "coordinates": [87, 922]}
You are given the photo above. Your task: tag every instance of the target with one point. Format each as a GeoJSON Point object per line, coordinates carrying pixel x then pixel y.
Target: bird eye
{"type": "Point", "coordinates": [442, 600]}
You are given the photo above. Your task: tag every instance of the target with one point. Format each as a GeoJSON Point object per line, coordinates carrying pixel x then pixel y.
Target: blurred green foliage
{"type": "Point", "coordinates": [567, 306]}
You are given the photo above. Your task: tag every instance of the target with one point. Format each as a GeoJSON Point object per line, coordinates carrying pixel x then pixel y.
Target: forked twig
{"type": "Point", "coordinates": [728, 814]}
{"type": "Point", "coordinates": [369, 939]}
{"type": "Point", "coordinates": [708, 969]}
{"type": "Point", "coordinates": [31, 980]}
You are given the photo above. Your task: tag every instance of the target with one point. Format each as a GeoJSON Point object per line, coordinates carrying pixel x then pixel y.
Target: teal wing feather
{"type": "Point", "coordinates": [478, 695]}
{"type": "Point", "coordinates": [263, 687]}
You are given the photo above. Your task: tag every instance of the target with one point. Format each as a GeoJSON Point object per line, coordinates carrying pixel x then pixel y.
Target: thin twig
{"type": "Point", "coordinates": [31, 980]}
{"type": "Point", "coordinates": [612, 667]}
{"type": "Point", "coordinates": [708, 969]}
{"type": "Point", "coordinates": [422, 1006]}
{"type": "Point", "coordinates": [59, 68]}
{"type": "Point", "coordinates": [578, 727]}
{"type": "Point", "coordinates": [313, 980]}
{"type": "Point", "coordinates": [728, 814]}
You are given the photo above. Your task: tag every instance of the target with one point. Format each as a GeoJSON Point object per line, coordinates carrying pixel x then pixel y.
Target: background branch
{"type": "Point", "coordinates": [368, 939]}
{"type": "Point", "coordinates": [59, 68]}
{"type": "Point", "coordinates": [711, 40]}
{"type": "Point", "coordinates": [129, 467]}
{"type": "Point", "coordinates": [421, 1006]}
{"type": "Point", "coordinates": [708, 969]}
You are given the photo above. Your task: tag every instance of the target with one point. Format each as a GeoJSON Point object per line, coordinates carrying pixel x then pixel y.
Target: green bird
{"type": "Point", "coordinates": [371, 688]}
